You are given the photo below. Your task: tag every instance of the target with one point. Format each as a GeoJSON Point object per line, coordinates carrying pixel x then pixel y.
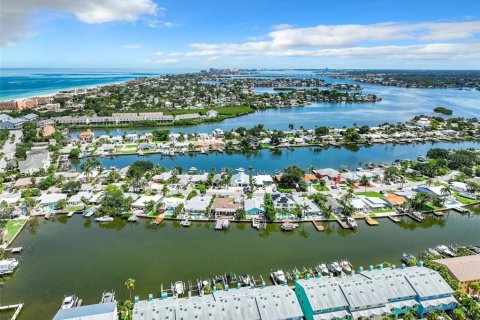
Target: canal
{"type": "Point", "coordinates": [76, 255]}
{"type": "Point", "coordinates": [269, 161]}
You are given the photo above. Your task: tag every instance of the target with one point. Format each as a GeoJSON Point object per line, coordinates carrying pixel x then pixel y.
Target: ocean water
{"type": "Point", "coordinates": [17, 83]}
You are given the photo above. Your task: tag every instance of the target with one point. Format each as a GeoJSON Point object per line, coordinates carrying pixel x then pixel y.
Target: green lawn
{"type": "Point", "coordinates": [74, 208]}
{"type": "Point", "coordinates": [318, 188]}
{"type": "Point", "coordinates": [464, 200]}
{"type": "Point", "coordinates": [383, 210]}
{"type": "Point", "coordinates": [12, 227]}
{"type": "Point", "coordinates": [430, 207]}
{"type": "Point", "coordinates": [415, 179]}
{"type": "Point", "coordinates": [370, 194]}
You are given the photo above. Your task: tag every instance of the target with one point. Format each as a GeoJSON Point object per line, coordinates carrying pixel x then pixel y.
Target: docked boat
{"type": "Point", "coordinates": [278, 277]}
{"type": "Point", "coordinates": [417, 216]}
{"type": "Point", "coordinates": [335, 268]}
{"type": "Point", "coordinates": [346, 266]}
{"type": "Point", "coordinates": [69, 302]}
{"type": "Point", "coordinates": [178, 287]}
{"type": "Point", "coordinates": [225, 224]}
{"type": "Point", "coordinates": [133, 218]}
{"type": "Point", "coordinates": [445, 251]}
{"type": "Point", "coordinates": [408, 258]}
{"type": "Point", "coordinates": [185, 223]}
{"type": "Point", "coordinates": [421, 158]}
{"type": "Point", "coordinates": [352, 223]}
{"type": "Point", "coordinates": [108, 296]}
{"type": "Point", "coordinates": [140, 152]}
{"type": "Point", "coordinates": [104, 219]}
{"type": "Point", "coordinates": [255, 224]}
{"type": "Point", "coordinates": [289, 226]}
{"type": "Point", "coordinates": [322, 269]}
{"type": "Point", "coordinates": [433, 252]}
{"type": "Point", "coordinates": [245, 280]}
{"type": "Point", "coordinates": [7, 266]}
{"type": "Point", "coordinates": [474, 249]}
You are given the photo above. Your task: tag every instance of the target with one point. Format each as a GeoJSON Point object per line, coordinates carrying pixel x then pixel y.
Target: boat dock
{"type": "Point", "coordinates": [342, 224]}
{"type": "Point", "coordinates": [157, 220]}
{"type": "Point", "coordinates": [219, 224]}
{"type": "Point", "coordinates": [14, 250]}
{"type": "Point", "coordinates": [17, 307]}
{"type": "Point", "coordinates": [70, 214]}
{"type": "Point", "coordinates": [89, 213]}
{"type": "Point", "coordinates": [414, 217]}
{"type": "Point", "coordinates": [462, 210]}
{"type": "Point", "coordinates": [318, 226]}
{"type": "Point", "coordinates": [371, 222]}
{"type": "Point", "coordinates": [394, 219]}
{"type": "Point", "coordinates": [438, 213]}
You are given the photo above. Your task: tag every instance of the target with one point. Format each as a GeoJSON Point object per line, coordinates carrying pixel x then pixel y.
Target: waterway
{"type": "Point", "coordinates": [269, 161]}
{"type": "Point", "coordinates": [76, 255]}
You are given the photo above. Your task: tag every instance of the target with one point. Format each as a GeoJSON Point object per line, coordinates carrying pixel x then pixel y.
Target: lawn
{"type": "Point", "coordinates": [318, 188]}
{"type": "Point", "coordinates": [383, 210]}
{"type": "Point", "coordinates": [464, 200]}
{"type": "Point", "coordinates": [370, 194]}
{"type": "Point", "coordinates": [415, 179]}
{"type": "Point", "coordinates": [12, 227]}
{"type": "Point", "coordinates": [430, 207]}
{"type": "Point", "coordinates": [74, 208]}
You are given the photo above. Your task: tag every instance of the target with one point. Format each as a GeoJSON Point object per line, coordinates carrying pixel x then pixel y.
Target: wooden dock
{"type": "Point", "coordinates": [318, 226]}
{"type": "Point", "coordinates": [394, 219]}
{"type": "Point", "coordinates": [17, 307]}
{"type": "Point", "coordinates": [438, 213]}
{"type": "Point", "coordinates": [70, 214]}
{"type": "Point", "coordinates": [371, 222]}
{"type": "Point", "coordinates": [342, 224]}
{"type": "Point", "coordinates": [157, 220]}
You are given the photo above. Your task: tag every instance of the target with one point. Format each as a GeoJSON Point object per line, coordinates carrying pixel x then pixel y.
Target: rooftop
{"type": "Point", "coordinates": [463, 268]}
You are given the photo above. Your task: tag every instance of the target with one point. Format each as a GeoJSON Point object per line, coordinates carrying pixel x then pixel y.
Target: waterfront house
{"type": "Point", "coordinates": [240, 179]}
{"type": "Point", "coordinates": [311, 208]}
{"type": "Point", "coordinates": [100, 311]}
{"type": "Point", "coordinates": [143, 200]}
{"type": "Point", "coordinates": [332, 174]}
{"type": "Point", "coordinates": [164, 176]}
{"type": "Point", "coordinates": [283, 201]}
{"type": "Point", "coordinates": [131, 137]}
{"type": "Point", "coordinates": [197, 205]}
{"type": "Point", "coordinates": [358, 205]}
{"type": "Point", "coordinates": [86, 136]}
{"type": "Point", "coordinates": [171, 203]}
{"type": "Point", "coordinates": [374, 294]}
{"type": "Point", "coordinates": [459, 186]}
{"type": "Point", "coordinates": [37, 159]}
{"type": "Point", "coordinates": [224, 206]}
{"type": "Point", "coordinates": [76, 199]}
{"type": "Point", "coordinates": [466, 270]}
{"type": "Point", "coordinates": [333, 203]}
{"type": "Point", "coordinates": [433, 190]}
{"type": "Point", "coordinates": [52, 199]}
{"type": "Point", "coordinates": [394, 200]}
{"type": "Point", "coordinates": [254, 206]}
{"type": "Point", "coordinates": [199, 178]}
{"type": "Point", "coordinates": [374, 203]}
{"type": "Point", "coordinates": [262, 180]}
{"type": "Point", "coordinates": [10, 198]}
{"type": "Point", "coordinates": [212, 114]}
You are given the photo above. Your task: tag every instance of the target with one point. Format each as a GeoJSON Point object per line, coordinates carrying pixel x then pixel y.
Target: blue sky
{"type": "Point", "coordinates": [170, 35]}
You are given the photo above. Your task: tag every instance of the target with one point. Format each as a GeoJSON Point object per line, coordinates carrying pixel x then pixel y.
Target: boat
{"type": "Point", "coordinates": [421, 158]}
{"type": "Point", "coordinates": [443, 249]}
{"type": "Point", "coordinates": [335, 268]}
{"type": "Point", "coordinates": [185, 223]}
{"type": "Point", "coordinates": [7, 266]}
{"type": "Point", "coordinates": [69, 302]}
{"type": "Point", "coordinates": [278, 277]}
{"type": "Point", "coordinates": [322, 269]}
{"type": "Point", "coordinates": [289, 226]}
{"type": "Point", "coordinates": [133, 218]}
{"type": "Point", "coordinates": [178, 287]}
{"type": "Point", "coordinates": [417, 216]}
{"type": "Point", "coordinates": [346, 266]}
{"type": "Point", "coordinates": [433, 252]}
{"type": "Point", "coordinates": [245, 280]}
{"type": "Point", "coordinates": [225, 224]}
{"type": "Point", "coordinates": [474, 249]}
{"type": "Point", "coordinates": [104, 219]}
{"type": "Point", "coordinates": [108, 296]}
{"type": "Point", "coordinates": [352, 223]}
{"type": "Point", "coordinates": [140, 152]}
{"type": "Point", "coordinates": [408, 258]}
{"type": "Point", "coordinates": [255, 223]}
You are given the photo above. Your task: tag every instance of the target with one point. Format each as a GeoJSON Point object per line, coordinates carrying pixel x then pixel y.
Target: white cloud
{"type": "Point", "coordinates": [417, 41]}
{"type": "Point", "coordinates": [283, 26]}
{"type": "Point", "coordinates": [159, 53]}
{"type": "Point", "coordinates": [160, 24]}
{"type": "Point", "coordinates": [15, 14]}
{"type": "Point", "coordinates": [167, 61]}
{"type": "Point", "coordinates": [132, 46]}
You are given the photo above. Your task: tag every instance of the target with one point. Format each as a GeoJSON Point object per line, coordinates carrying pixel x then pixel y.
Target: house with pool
{"type": "Point", "coordinates": [254, 206]}
{"type": "Point", "coordinates": [375, 293]}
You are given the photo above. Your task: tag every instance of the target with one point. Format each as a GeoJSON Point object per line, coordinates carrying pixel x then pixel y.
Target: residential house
{"type": "Point", "coordinates": [466, 270]}
{"type": "Point", "coordinates": [262, 180]}
{"type": "Point", "coordinates": [86, 136]}
{"type": "Point", "coordinates": [374, 203]}
{"type": "Point", "coordinates": [224, 206]}
{"type": "Point", "coordinates": [197, 205]}
{"type": "Point", "coordinates": [283, 201]}
{"type": "Point", "coordinates": [254, 206]}
{"type": "Point", "coordinates": [37, 159]}
{"type": "Point", "coordinates": [240, 179]}
{"type": "Point", "coordinates": [101, 311]}
{"type": "Point", "coordinates": [142, 202]}
{"type": "Point", "coordinates": [52, 199]}
{"type": "Point", "coordinates": [332, 174]}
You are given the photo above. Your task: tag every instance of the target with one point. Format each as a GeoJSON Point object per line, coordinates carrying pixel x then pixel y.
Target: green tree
{"type": "Point", "coordinates": [72, 187]}
{"type": "Point", "coordinates": [113, 202]}
{"type": "Point", "coordinates": [74, 153]}
{"type": "Point", "coordinates": [130, 285]}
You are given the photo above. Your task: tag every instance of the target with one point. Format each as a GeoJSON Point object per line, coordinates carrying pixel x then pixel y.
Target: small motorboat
{"type": "Point", "coordinates": [278, 277]}
{"type": "Point", "coordinates": [178, 287]}
{"type": "Point", "coordinates": [69, 302]}
{"type": "Point", "coordinates": [255, 223]}
{"type": "Point", "coordinates": [245, 280]}
{"type": "Point", "coordinates": [408, 258]}
{"type": "Point", "coordinates": [7, 266]}
{"type": "Point", "coordinates": [322, 269]}
{"type": "Point", "coordinates": [185, 223]}
{"type": "Point", "coordinates": [104, 219]}
{"type": "Point", "coordinates": [346, 266]}
{"type": "Point", "coordinates": [352, 223]}
{"type": "Point", "coordinates": [433, 252]}
{"type": "Point", "coordinates": [108, 296]}
{"type": "Point", "coordinates": [443, 249]}
{"type": "Point", "coordinates": [335, 268]}
{"type": "Point", "coordinates": [289, 226]}
{"type": "Point", "coordinates": [133, 218]}
{"type": "Point", "coordinates": [225, 224]}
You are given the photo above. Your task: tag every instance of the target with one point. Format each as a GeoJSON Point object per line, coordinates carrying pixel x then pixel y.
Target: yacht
{"type": "Point", "coordinates": [185, 223]}
{"type": "Point", "coordinates": [346, 266]}
{"type": "Point", "coordinates": [179, 287]}
{"type": "Point", "coordinates": [104, 219]}
{"type": "Point", "coordinates": [352, 223]}
{"type": "Point", "coordinates": [8, 266]}
{"type": "Point", "coordinates": [433, 252]}
{"type": "Point", "coordinates": [69, 302]}
{"type": "Point", "coordinates": [245, 280]}
{"type": "Point", "coordinates": [335, 268]}
{"type": "Point", "coordinates": [445, 250]}
{"type": "Point", "coordinates": [108, 296]}
{"type": "Point", "coordinates": [322, 269]}
{"type": "Point", "coordinates": [278, 277]}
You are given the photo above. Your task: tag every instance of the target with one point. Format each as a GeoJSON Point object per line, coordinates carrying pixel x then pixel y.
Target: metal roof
{"type": "Point", "coordinates": [324, 293]}
{"type": "Point", "coordinates": [101, 311]}
{"type": "Point", "coordinates": [427, 282]}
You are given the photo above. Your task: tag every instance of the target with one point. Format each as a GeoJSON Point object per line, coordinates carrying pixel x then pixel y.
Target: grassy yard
{"type": "Point", "coordinates": [415, 179]}
{"type": "Point", "coordinates": [464, 200]}
{"type": "Point", "coordinates": [430, 207]}
{"type": "Point", "coordinates": [370, 194]}
{"type": "Point", "coordinates": [74, 208]}
{"type": "Point", "coordinates": [383, 210]}
{"type": "Point", "coordinates": [318, 188]}
{"type": "Point", "coordinates": [12, 227]}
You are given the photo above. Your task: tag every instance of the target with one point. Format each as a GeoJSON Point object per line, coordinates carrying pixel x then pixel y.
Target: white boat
{"type": "Point", "coordinates": [108, 297]}
{"type": "Point", "coordinates": [406, 257]}
{"type": "Point", "coordinates": [346, 266]}
{"type": "Point", "coordinates": [140, 152]}
{"type": "Point", "coordinates": [335, 267]}
{"type": "Point", "coordinates": [445, 250]}
{"type": "Point", "coordinates": [289, 226]}
{"type": "Point", "coordinates": [352, 223]}
{"type": "Point", "coordinates": [225, 224]}
{"type": "Point", "coordinates": [104, 219]}
{"type": "Point", "coordinates": [185, 223]}
{"type": "Point", "coordinates": [322, 269]}
{"type": "Point", "coordinates": [245, 280]}
{"type": "Point", "coordinates": [433, 252]}
{"type": "Point", "coordinates": [255, 223]}
{"type": "Point", "coordinates": [278, 277]}
{"type": "Point", "coordinates": [179, 287]}
{"type": "Point", "coordinates": [7, 266]}
{"type": "Point", "coordinates": [133, 218]}
{"type": "Point", "coordinates": [69, 302]}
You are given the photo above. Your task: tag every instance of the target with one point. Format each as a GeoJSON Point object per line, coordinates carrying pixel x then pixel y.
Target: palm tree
{"type": "Point", "coordinates": [250, 169]}
{"type": "Point", "coordinates": [291, 126]}
{"type": "Point", "coordinates": [305, 207]}
{"type": "Point", "coordinates": [130, 285]}
{"type": "Point", "coordinates": [364, 180]}
{"type": "Point", "coordinates": [446, 190]}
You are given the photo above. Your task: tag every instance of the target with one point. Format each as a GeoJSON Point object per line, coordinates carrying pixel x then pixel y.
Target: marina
{"type": "Point", "coordinates": [256, 253]}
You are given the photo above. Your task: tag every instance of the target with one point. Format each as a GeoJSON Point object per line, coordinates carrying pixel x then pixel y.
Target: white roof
{"type": "Point", "coordinates": [141, 202]}
{"type": "Point", "coordinates": [262, 178]}
{"type": "Point", "coordinates": [52, 198]}
{"type": "Point", "coordinates": [198, 203]}
{"type": "Point", "coordinates": [253, 203]}
{"type": "Point", "coordinates": [10, 197]}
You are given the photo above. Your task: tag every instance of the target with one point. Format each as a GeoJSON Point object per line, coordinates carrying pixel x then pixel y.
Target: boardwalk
{"type": "Point", "coordinates": [318, 226]}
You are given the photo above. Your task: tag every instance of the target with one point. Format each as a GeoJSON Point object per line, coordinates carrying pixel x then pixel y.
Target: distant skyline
{"type": "Point", "coordinates": [181, 35]}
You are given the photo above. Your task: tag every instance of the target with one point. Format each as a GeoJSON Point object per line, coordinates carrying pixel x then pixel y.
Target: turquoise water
{"type": "Point", "coordinates": [272, 161]}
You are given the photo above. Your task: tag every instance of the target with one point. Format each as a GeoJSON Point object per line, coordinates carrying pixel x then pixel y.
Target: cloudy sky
{"type": "Point", "coordinates": [153, 34]}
